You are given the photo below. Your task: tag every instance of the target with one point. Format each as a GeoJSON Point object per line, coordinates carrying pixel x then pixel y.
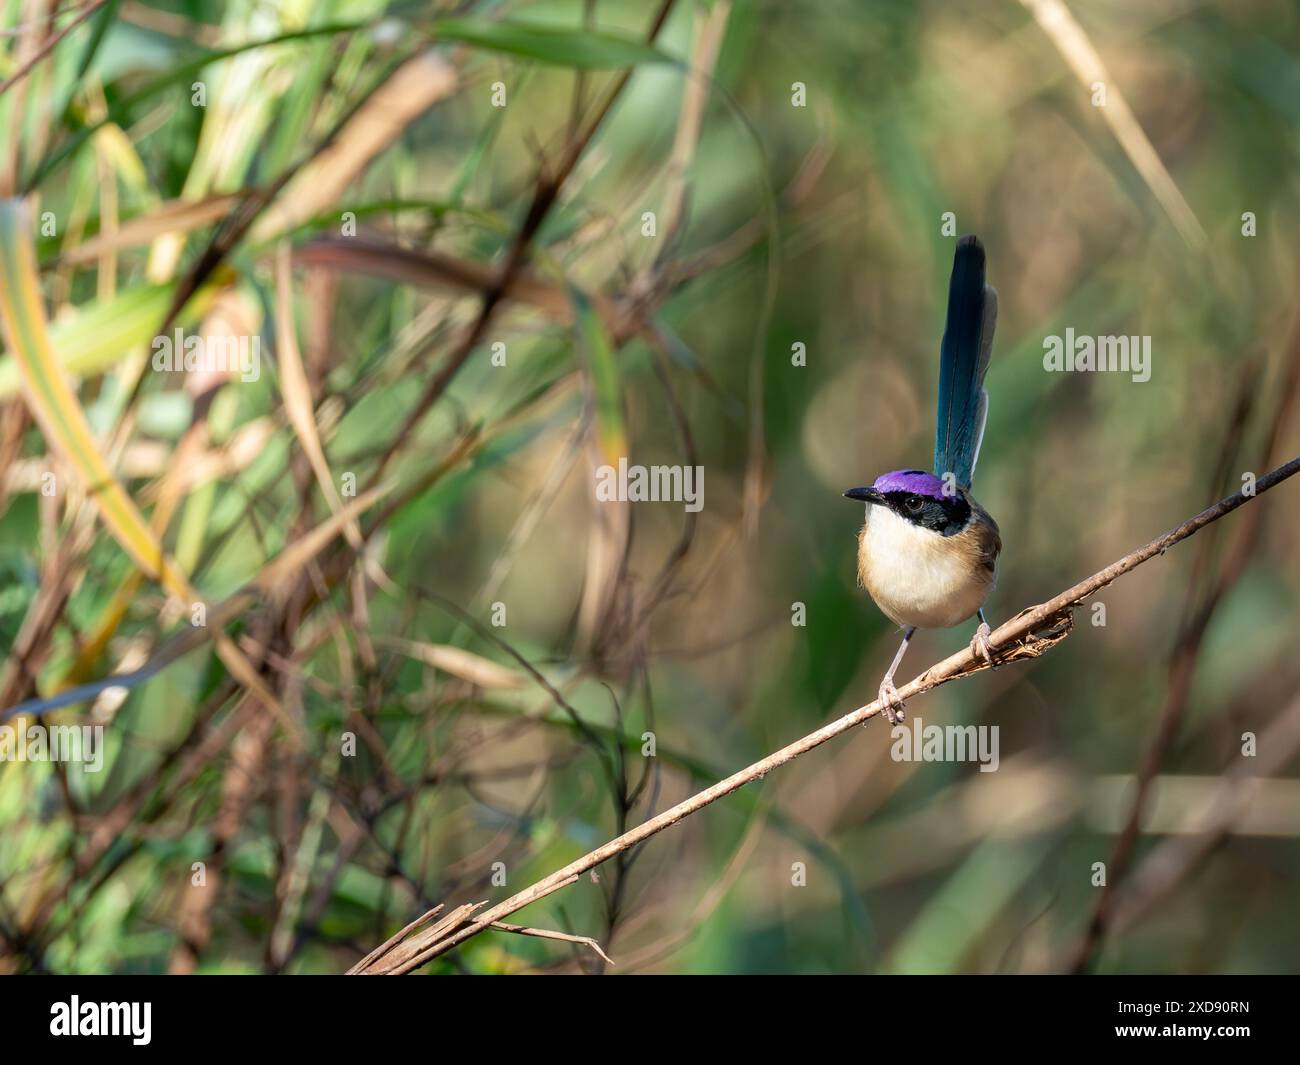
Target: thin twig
{"type": "Point", "coordinates": [1028, 635]}
{"type": "Point", "coordinates": [546, 933]}
{"type": "Point", "coordinates": [49, 46]}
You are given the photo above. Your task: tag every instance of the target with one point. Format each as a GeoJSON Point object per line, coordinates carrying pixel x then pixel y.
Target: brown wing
{"type": "Point", "coordinates": [987, 535]}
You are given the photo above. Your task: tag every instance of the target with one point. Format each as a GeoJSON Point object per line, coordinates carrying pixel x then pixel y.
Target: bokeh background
{"type": "Point", "coordinates": [356, 147]}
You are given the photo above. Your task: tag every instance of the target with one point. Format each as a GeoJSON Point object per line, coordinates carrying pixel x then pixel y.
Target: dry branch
{"type": "Point", "coordinates": [546, 933]}
{"type": "Point", "coordinates": [1027, 635]}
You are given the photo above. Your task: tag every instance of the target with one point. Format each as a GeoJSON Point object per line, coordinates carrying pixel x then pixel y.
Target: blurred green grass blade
{"type": "Point", "coordinates": [473, 163]}
{"type": "Point", "coordinates": [292, 124]}
{"type": "Point", "coordinates": [569, 48]}
{"type": "Point", "coordinates": [119, 111]}
{"type": "Point", "coordinates": [954, 917]}
{"type": "Point", "coordinates": [606, 387]}
{"type": "Point", "coordinates": [67, 433]}
{"type": "Point", "coordinates": [53, 403]}
{"type": "Point", "coordinates": [579, 49]}
{"type": "Point", "coordinates": [99, 334]}
{"type": "Point", "coordinates": [100, 23]}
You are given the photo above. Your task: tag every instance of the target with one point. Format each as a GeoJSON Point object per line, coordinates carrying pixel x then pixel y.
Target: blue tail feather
{"type": "Point", "coordinates": [963, 360]}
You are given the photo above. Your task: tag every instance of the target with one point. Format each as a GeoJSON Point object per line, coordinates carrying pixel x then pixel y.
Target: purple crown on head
{"type": "Point", "coordinates": [916, 481]}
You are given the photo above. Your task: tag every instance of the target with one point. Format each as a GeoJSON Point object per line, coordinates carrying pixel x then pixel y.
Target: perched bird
{"type": "Point", "coordinates": [927, 550]}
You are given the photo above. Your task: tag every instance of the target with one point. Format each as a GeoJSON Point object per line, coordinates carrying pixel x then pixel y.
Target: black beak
{"type": "Point", "coordinates": [866, 495]}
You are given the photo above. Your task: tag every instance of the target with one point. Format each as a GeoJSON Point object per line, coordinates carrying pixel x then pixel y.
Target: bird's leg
{"type": "Point", "coordinates": [891, 703]}
{"type": "Point", "coordinates": [979, 644]}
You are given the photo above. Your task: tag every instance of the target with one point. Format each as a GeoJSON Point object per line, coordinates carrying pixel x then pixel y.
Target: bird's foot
{"type": "Point", "coordinates": [979, 644]}
{"type": "Point", "coordinates": [891, 704]}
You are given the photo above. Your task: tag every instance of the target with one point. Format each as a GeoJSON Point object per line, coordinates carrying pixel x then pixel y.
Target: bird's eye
{"type": "Point", "coordinates": [913, 504]}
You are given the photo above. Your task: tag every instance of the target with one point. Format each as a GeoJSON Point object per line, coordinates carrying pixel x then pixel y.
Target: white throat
{"type": "Point", "coordinates": [916, 575]}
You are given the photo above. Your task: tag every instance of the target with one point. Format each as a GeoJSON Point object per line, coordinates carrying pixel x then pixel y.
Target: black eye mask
{"type": "Point", "coordinates": [946, 516]}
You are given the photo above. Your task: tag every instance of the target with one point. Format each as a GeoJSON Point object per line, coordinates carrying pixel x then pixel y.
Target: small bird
{"type": "Point", "coordinates": [927, 550]}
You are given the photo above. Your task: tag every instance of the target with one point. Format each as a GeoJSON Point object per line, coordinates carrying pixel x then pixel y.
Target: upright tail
{"type": "Point", "coordinates": [963, 360]}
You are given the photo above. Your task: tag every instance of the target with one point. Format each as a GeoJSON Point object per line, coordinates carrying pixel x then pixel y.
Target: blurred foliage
{"type": "Point", "coordinates": [819, 225]}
